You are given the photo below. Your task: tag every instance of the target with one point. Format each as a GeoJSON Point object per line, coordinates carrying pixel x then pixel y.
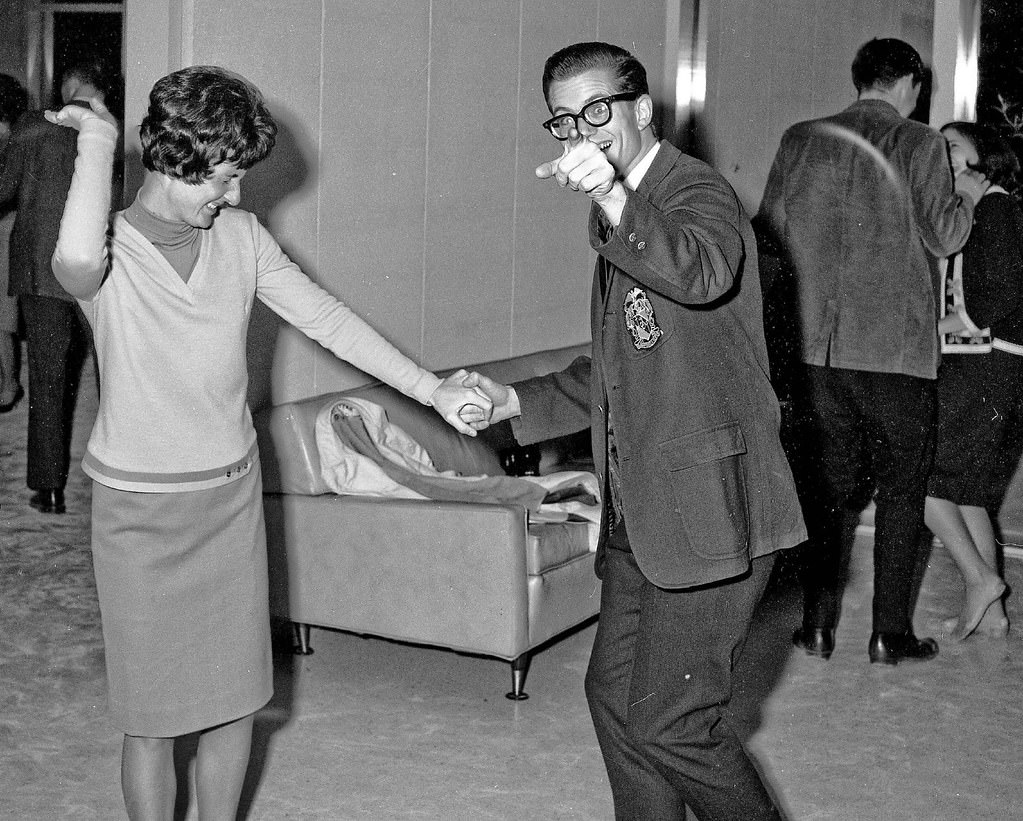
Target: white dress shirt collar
{"type": "Point", "coordinates": [636, 175]}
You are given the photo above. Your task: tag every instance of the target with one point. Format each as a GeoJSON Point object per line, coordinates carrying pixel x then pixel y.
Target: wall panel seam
{"type": "Point", "coordinates": [317, 351]}
{"type": "Point", "coordinates": [515, 189]}
{"type": "Point", "coordinates": [426, 185]}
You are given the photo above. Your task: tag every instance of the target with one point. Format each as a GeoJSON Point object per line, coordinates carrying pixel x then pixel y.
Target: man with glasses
{"type": "Point", "coordinates": [685, 439]}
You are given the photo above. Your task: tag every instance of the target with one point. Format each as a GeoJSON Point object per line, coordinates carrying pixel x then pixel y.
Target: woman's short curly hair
{"type": "Point", "coordinates": [202, 116]}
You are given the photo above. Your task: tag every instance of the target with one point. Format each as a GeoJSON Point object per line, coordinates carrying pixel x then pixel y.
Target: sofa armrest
{"type": "Point", "coordinates": [440, 573]}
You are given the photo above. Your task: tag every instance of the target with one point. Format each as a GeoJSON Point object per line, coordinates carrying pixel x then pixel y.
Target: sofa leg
{"type": "Point", "coordinates": [519, 668]}
{"type": "Point", "coordinates": [301, 646]}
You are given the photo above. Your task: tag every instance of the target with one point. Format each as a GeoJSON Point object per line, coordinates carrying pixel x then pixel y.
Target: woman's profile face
{"type": "Point", "coordinates": [960, 150]}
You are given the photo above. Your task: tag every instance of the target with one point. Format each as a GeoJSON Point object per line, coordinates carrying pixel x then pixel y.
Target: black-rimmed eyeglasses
{"type": "Point", "coordinates": [595, 113]}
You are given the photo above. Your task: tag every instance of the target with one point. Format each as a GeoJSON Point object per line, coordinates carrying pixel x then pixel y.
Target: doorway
{"type": "Point", "coordinates": [64, 33]}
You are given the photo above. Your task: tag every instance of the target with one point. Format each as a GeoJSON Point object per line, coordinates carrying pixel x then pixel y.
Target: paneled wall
{"type": "Point", "coordinates": [404, 178]}
{"type": "Point", "coordinates": [773, 64]}
{"type": "Point", "coordinates": [12, 39]}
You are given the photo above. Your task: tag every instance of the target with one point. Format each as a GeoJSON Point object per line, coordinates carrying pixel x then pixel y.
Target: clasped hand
{"type": "Point", "coordinates": [470, 402]}
{"type": "Point", "coordinates": [464, 407]}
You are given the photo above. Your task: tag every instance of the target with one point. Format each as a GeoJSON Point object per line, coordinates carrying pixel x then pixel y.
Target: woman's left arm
{"type": "Point", "coordinates": [285, 289]}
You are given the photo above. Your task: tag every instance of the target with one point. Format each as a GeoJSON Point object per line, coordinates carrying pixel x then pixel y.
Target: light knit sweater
{"type": "Point", "coordinates": [173, 414]}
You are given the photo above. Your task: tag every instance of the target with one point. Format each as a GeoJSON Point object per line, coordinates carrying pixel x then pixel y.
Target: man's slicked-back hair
{"type": "Point", "coordinates": [575, 59]}
{"type": "Point", "coordinates": [880, 63]}
{"type": "Point", "coordinates": [202, 116]}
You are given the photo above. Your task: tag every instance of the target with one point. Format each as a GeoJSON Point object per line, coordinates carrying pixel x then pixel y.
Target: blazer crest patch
{"type": "Point", "coordinates": [640, 320]}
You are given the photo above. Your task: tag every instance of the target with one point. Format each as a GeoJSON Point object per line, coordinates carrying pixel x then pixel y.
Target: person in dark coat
{"type": "Point", "coordinates": [34, 178]}
{"type": "Point", "coordinates": [13, 102]}
{"type": "Point", "coordinates": [862, 204]}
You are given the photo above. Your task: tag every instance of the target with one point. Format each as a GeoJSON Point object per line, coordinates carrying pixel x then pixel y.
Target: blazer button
{"type": "Point", "coordinates": [641, 245]}
{"type": "Point", "coordinates": [632, 237]}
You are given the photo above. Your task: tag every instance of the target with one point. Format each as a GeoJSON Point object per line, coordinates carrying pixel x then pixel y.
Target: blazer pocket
{"type": "Point", "coordinates": [708, 485]}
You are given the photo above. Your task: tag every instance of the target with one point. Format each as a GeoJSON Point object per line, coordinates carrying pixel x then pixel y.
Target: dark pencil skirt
{"type": "Point", "coordinates": [182, 585]}
{"type": "Point", "coordinates": [979, 400]}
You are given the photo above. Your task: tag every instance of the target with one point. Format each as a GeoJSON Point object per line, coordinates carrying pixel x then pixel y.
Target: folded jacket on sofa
{"type": "Point", "coordinates": [362, 453]}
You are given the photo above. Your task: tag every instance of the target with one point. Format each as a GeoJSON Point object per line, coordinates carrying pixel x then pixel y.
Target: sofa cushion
{"type": "Point", "coordinates": [550, 544]}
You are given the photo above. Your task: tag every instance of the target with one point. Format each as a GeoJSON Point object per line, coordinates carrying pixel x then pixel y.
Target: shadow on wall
{"type": "Point", "coordinates": [133, 176]}
{"type": "Point", "coordinates": [688, 135]}
{"type": "Point", "coordinates": [267, 189]}
{"type": "Point", "coordinates": [922, 112]}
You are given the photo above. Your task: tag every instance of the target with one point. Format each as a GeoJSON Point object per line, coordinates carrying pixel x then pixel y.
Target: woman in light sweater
{"type": "Point", "coordinates": [177, 526]}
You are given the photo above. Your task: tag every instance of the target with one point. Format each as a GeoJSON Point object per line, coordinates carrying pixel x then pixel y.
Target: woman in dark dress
{"type": "Point", "coordinates": [980, 391]}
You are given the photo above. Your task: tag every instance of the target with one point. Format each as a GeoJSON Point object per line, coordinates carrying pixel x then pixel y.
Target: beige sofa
{"type": "Point", "coordinates": [475, 578]}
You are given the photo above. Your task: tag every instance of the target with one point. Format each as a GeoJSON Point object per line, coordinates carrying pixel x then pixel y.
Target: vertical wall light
{"type": "Point", "coordinates": [967, 68]}
{"type": "Point", "coordinates": [956, 52]}
{"type": "Point", "coordinates": [690, 81]}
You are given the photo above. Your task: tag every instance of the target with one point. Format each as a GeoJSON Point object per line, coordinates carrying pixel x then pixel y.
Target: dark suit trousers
{"type": "Point", "coordinates": [58, 338]}
{"type": "Point", "coordinates": [658, 685]}
{"type": "Point", "coordinates": [866, 430]}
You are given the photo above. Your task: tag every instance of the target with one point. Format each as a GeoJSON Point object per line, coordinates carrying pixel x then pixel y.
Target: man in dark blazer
{"type": "Point", "coordinates": [685, 441]}
{"type": "Point", "coordinates": [35, 177]}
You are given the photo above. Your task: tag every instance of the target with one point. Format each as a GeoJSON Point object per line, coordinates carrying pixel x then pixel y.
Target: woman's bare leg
{"type": "Point", "coordinates": [983, 584]}
{"type": "Point", "coordinates": [995, 622]}
{"type": "Point", "coordinates": [220, 765]}
{"type": "Point", "coordinates": [147, 778]}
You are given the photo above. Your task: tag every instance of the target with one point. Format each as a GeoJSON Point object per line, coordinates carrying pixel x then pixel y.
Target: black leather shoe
{"type": "Point", "coordinates": [48, 501]}
{"type": "Point", "coordinates": [891, 648]}
{"type": "Point", "coordinates": [816, 641]}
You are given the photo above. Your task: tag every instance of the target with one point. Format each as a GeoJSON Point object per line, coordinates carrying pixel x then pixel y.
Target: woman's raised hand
{"type": "Point", "coordinates": [75, 116]}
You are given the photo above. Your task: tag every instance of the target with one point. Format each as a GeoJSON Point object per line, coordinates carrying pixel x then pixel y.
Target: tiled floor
{"type": "Point", "coordinates": [371, 729]}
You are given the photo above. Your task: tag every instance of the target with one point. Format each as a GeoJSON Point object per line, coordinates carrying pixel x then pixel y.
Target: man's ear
{"type": "Point", "coordinates": [644, 111]}
{"type": "Point", "coordinates": [907, 90]}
